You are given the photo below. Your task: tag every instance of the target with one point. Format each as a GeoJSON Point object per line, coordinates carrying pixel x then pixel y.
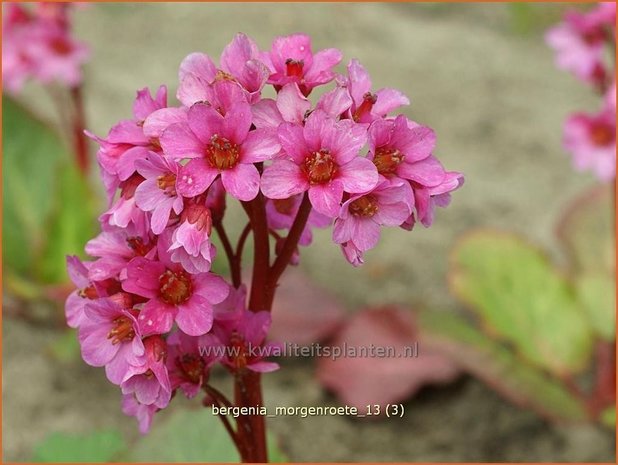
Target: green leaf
{"type": "Point", "coordinates": [608, 417]}
{"type": "Point", "coordinates": [499, 366]}
{"type": "Point", "coordinates": [186, 436]}
{"type": "Point", "coordinates": [31, 152]}
{"type": "Point", "coordinates": [71, 223]}
{"type": "Point", "coordinates": [100, 446]}
{"type": "Point", "coordinates": [586, 232]}
{"type": "Point", "coordinates": [522, 300]}
{"type": "Point", "coordinates": [596, 292]}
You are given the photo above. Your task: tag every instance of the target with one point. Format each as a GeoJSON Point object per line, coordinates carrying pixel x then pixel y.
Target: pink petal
{"type": "Point", "coordinates": [204, 122]}
{"type": "Point", "coordinates": [292, 141]}
{"type": "Point", "coordinates": [96, 349]}
{"type": "Point", "coordinates": [212, 287]}
{"type": "Point", "coordinates": [283, 179]}
{"type": "Point", "coordinates": [323, 63]}
{"type": "Point", "coordinates": [242, 181]}
{"type": "Point", "coordinates": [156, 318]}
{"type": "Point", "coordinates": [260, 145]}
{"type": "Point", "coordinates": [360, 82]}
{"type": "Point", "coordinates": [389, 100]}
{"type": "Point", "coordinates": [143, 277]}
{"type": "Point", "coordinates": [366, 234]}
{"type": "Point", "coordinates": [195, 317]}
{"type": "Point", "coordinates": [237, 122]}
{"type": "Point", "coordinates": [326, 198]}
{"type": "Point", "coordinates": [358, 176]}
{"type": "Point", "coordinates": [178, 141]}
{"type": "Point", "coordinates": [195, 177]}
{"type": "Point", "coordinates": [160, 120]}
{"type": "Point", "coordinates": [266, 114]}
{"type": "Point", "coordinates": [335, 102]}
{"type": "Point", "coordinates": [428, 172]}
{"type": "Point", "coordinates": [237, 53]}
{"type": "Point", "coordinates": [292, 104]}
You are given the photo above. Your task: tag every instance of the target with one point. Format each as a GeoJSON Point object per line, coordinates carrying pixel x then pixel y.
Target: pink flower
{"type": "Point", "coordinates": [242, 71]}
{"type": "Point", "coordinates": [367, 106]}
{"type": "Point", "coordinates": [240, 58]}
{"type": "Point", "coordinates": [109, 336]}
{"type": "Point", "coordinates": [244, 335]}
{"type": "Point", "coordinates": [149, 382]}
{"type": "Point", "coordinates": [190, 359]}
{"type": "Point", "coordinates": [77, 300]}
{"type": "Point", "coordinates": [58, 56]}
{"type": "Point", "coordinates": [142, 412]}
{"type": "Point", "coordinates": [352, 254]}
{"type": "Point", "coordinates": [398, 150]}
{"type": "Point", "coordinates": [114, 249]}
{"type": "Point", "coordinates": [292, 60]}
{"type": "Point", "coordinates": [591, 139]}
{"type": "Point", "coordinates": [39, 45]}
{"type": "Point", "coordinates": [219, 145]}
{"type": "Point", "coordinates": [135, 139]}
{"type": "Point", "coordinates": [579, 43]}
{"type": "Point", "coordinates": [157, 194]}
{"type": "Point", "coordinates": [124, 212]}
{"type": "Point", "coordinates": [362, 216]}
{"type": "Point", "coordinates": [191, 246]}
{"type": "Point", "coordinates": [174, 295]}
{"type": "Point", "coordinates": [427, 198]}
{"type": "Point", "coordinates": [290, 106]}
{"type": "Point", "coordinates": [322, 159]}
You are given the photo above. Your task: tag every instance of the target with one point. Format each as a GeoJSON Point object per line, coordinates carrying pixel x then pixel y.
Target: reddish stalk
{"type": "Point", "coordinates": [233, 258]}
{"type": "Point", "coordinates": [251, 429]}
{"type": "Point", "coordinates": [79, 125]}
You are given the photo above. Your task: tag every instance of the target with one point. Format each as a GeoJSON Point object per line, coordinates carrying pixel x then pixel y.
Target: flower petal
{"type": "Point", "coordinates": [283, 179]}
{"type": "Point", "coordinates": [242, 181]}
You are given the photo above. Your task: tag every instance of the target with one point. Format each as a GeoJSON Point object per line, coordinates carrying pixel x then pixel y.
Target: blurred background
{"type": "Point", "coordinates": [479, 74]}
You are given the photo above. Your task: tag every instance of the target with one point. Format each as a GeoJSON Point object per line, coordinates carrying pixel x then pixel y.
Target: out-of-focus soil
{"type": "Point", "coordinates": [497, 104]}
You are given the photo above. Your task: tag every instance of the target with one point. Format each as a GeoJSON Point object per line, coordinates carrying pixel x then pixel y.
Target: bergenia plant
{"type": "Point", "coordinates": [149, 307]}
{"type": "Point", "coordinates": [38, 44]}
{"type": "Point", "coordinates": [585, 44]}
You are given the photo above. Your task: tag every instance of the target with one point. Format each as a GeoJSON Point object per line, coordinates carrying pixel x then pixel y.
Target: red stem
{"type": "Point", "coordinates": [291, 242]}
{"type": "Point", "coordinates": [233, 258]}
{"type": "Point", "coordinates": [79, 125]}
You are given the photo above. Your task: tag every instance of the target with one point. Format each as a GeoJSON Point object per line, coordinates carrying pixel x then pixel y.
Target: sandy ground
{"type": "Point", "coordinates": [497, 105]}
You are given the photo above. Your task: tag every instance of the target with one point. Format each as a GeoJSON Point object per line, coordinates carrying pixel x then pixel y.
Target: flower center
{"type": "Point", "coordinates": [365, 107]}
{"type": "Point", "coordinates": [61, 46]}
{"type": "Point", "coordinates": [167, 183]}
{"type": "Point", "coordinates": [88, 293]}
{"type": "Point", "coordinates": [175, 287]}
{"type": "Point", "coordinates": [284, 206]}
{"type": "Point", "coordinates": [221, 153]}
{"type": "Point", "coordinates": [294, 67]}
{"type": "Point", "coordinates": [387, 160]}
{"type": "Point", "coordinates": [365, 206]}
{"type": "Point", "coordinates": [192, 366]}
{"type": "Point", "coordinates": [137, 245]}
{"type": "Point", "coordinates": [122, 331]}
{"type": "Point", "coordinates": [320, 167]}
{"type": "Point", "coordinates": [602, 134]}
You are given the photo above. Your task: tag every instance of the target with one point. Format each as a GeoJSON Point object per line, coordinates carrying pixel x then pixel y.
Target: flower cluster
{"type": "Point", "coordinates": [583, 43]}
{"type": "Point", "coordinates": [149, 303]}
{"type": "Point", "coordinates": [38, 43]}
